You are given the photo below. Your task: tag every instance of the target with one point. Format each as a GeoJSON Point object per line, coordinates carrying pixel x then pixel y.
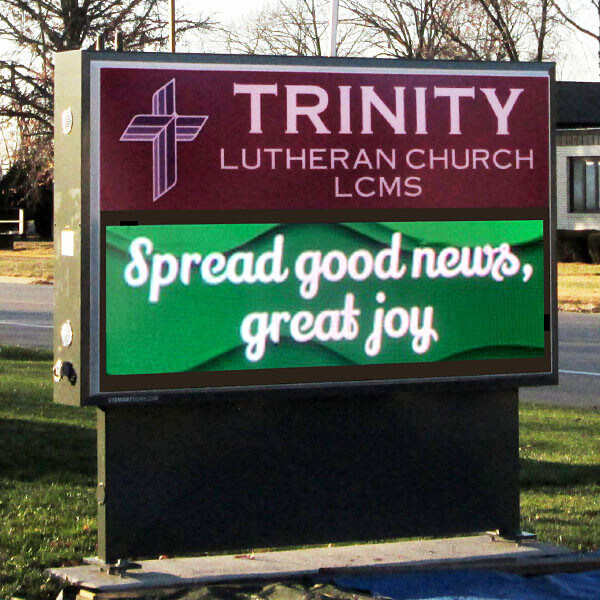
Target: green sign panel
{"type": "Point", "coordinates": [204, 298]}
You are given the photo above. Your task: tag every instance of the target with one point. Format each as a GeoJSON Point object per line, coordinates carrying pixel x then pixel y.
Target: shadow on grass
{"type": "Point", "coordinates": [577, 426]}
{"type": "Point", "coordinates": [54, 452]}
{"type": "Point", "coordinates": [539, 473]}
{"type": "Point", "coordinates": [21, 353]}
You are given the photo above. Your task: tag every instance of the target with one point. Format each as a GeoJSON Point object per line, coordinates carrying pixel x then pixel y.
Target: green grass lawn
{"type": "Point", "coordinates": [560, 475]}
{"type": "Point", "coordinates": [48, 477]}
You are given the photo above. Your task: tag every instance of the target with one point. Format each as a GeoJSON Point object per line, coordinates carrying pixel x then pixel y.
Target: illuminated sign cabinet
{"type": "Point", "coordinates": [228, 222]}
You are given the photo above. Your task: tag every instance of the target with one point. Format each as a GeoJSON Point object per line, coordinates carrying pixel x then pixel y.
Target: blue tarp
{"type": "Point", "coordinates": [477, 585]}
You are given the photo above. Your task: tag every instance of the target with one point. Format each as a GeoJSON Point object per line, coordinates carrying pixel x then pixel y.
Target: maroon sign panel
{"type": "Point", "coordinates": [208, 137]}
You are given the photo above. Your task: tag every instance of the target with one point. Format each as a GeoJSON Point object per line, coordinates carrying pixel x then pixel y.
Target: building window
{"type": "Point", "coordinates": [584, 191]}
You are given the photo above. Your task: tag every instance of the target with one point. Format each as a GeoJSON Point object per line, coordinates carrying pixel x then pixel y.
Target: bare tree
{"type": "Point", "coordinates": [404, 28]}
{"type": "Point", "coordinates": [470, 29]}
{"type": "Point", "coordinates": [292, 27]}
{"type": "Point", "coordinates": [31, 31]}
{"type": "Point", "coordinates": [580, 23]}
{"type": "Point", "coordinates": [523, 26]}
{"type": "Point", "coordinates": [34, 29]}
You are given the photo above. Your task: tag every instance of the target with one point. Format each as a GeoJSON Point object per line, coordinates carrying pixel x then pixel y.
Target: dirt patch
{"type": "Point", "coordinates": [28, 265]}
{"type": "Point", "coordinates": [23, 280]}
{"type": "Point", "coordinates": [579, 287]}
{"type": "Point", "coordinates": [579, 307]}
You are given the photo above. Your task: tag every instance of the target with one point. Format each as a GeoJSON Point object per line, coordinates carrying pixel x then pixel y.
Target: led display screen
{"type": "Point", "coordinates": [237, 297]}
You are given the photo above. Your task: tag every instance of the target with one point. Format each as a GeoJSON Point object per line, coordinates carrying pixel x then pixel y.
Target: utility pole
{"type": "Point", "coordinates": [335, 5]}
{"type": "Point", "coordinates": [172, 25]}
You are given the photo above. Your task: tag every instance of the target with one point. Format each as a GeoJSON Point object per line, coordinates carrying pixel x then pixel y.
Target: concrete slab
{"type": "Point", "coordinates": [466, 552]}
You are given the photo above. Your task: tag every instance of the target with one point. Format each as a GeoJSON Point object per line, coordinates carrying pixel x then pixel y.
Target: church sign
{"type": "Point", "coordinates": [249, 223]}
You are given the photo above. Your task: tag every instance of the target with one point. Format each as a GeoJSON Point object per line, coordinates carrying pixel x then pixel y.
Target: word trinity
{"type": "Point", "coordinates": [311, 103]}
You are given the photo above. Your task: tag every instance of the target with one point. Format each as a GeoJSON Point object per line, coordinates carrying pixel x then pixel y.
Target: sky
{"type": "Point", "coordinates": [580, 54]}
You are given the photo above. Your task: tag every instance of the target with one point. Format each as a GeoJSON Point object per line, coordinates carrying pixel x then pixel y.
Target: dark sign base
{"type": "Point", "coordinates": [256, 472]}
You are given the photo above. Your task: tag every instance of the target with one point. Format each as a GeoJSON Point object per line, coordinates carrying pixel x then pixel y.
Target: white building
{"type": "Point", "coordinates": [578, 156]}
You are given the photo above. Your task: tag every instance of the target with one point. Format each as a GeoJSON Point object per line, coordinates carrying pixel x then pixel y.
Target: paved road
{"type": "Point", "coordinates": [26, 320]}
{"type": "Point", "coordinates": [26, 315]}
{"type": "Point", "coordinates": [579, 364]}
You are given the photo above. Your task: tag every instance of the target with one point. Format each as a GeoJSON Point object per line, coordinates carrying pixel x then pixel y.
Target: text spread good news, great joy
{"type": "Point", "coordinates": [313, 267]}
